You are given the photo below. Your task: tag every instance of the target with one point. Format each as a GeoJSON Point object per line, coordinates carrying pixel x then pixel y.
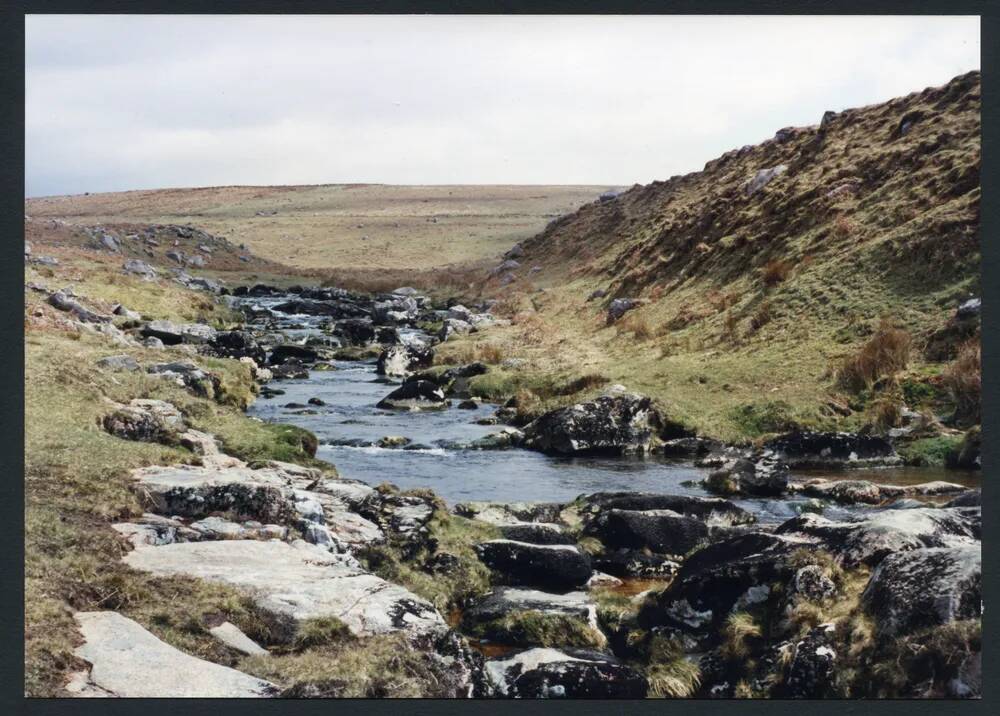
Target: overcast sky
{"type": "Point", "coordinates": [138, 102]}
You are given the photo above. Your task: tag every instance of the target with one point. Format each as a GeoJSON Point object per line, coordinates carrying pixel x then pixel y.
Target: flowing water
{"type": "Point", "coordinates": [348, 423]}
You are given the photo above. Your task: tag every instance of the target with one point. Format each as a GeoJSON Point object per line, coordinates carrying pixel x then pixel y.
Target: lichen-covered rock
{"type": "Point", "coordinates": [119, 362]}
{"type": "Point", "coordinates": [635, 564]}
{"type": "Point", "coordinates": [503, 601]}
{"type": "Point", "coordinates": [854, 492]}
{"type": "Point", "coordinates": [812, 669]}
{"type": "Point", "coordinates": [297, 582]}
{"type": "Point", "coordinates": [804, 449]}
{"type": "Point", "coordinates": [63, 302]}
{"type": "Point", "coordinates": [868, 539]}
{"type": "Point", "coordinates": [145, 422]}
{"type": "Point", "coordinates": [175, 333]}
{"type": "Point", "coordinates": [713, 511]}
{"type": "Point", "coordinates": [738, 570]}
{"type": "Point", "coordinates": [536, 533]}
{"type": "Point", "coordinates": [620, 422]}
{"type": "Point", "coordinates": [567, 673]}
{"type": "Point", "coordinates": [554, 566]}
{"type": "Point", "coordinates": [924, 588]}
{"type": "Point", "coordinates": [764, 477]}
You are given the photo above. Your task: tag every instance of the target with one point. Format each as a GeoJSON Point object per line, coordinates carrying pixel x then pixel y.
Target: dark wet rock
{"type": "Point", "coordinates": [536, 533]}
{"type": "Point", "coordinates": [63, 302]}
{"type": "Point", "coordinates": [765, 477]}
{"type": "Point", "coordinates": [415, 395]}
{"type": "Point", "coordinates": [559, 567]}
{"type": "Point", "coordinates": [356, 331]}
{"type": "Point", "coordinates": [735, 572]}
{"type": "Point", "coordinates": [292, 351]}
{"type": "Point", "coordinates": [316, 401]}
{"type": "Point", "coordinates": [660, 531]}
{"type": "Point", "coordinates": [291, 369]}
{"type": "Point", "coordinates": [468, 405]}
{"type": "Point", "coordinates": [869, 539]}
{"type": "Point", "coordinates": [713, 511]}
{"type": "Point", "coordinates": [925, 588]}
{"type": "Point", "coordinates": [597, 293]}
{"type": "Point", "coordinates": [401, 360]}
{"type": "Point", "coordinates": [613, 423]}
{"type": "Point", "coordinates": [690, 447]}
{"type": "Point", "coordinates": [238, 344]}
{"type": "Point", "coordinates": [175, 333]}
{"type": "Point", "coordinates": [832, 450]}
{"type": "Point", "coordinates": [969, 498]}
{"type": "Point", "coordinates": [567, 673]}
{"type": "Point", "coordinates": [393, 441]}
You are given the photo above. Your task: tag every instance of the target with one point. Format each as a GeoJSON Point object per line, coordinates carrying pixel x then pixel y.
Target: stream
{"type": "Point", "coordinates": [347, 423]}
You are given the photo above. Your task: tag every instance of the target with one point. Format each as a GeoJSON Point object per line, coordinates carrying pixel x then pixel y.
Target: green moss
{"type": "Point", "coordinates": [453, 535]}
{"type": "Point", "coordinates": [773, 416]}
{"type": "Point", "coordinates": [931, 452]}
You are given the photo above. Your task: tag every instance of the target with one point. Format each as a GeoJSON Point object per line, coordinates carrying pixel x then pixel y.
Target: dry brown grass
{"type": "Point", "coordinates": [964, 381]}
{"type": "Point", "coordinates": [843, 227]}
{"type": "Point", "coordinates": [761, 317]}
{"type": "Point", "coordinates": [775, 271]}
{"type": "Point", "coordinates": [636, 325]}
{"type": "Point", "coordinates": [882, 356]}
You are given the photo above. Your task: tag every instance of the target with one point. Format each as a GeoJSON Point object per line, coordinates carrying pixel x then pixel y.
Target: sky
{"type": "Point", "coordinates": [142, 102]}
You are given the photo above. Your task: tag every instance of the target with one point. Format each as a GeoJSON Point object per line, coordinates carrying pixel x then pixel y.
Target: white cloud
{"type": "Point", "coordinates": [121, 102]}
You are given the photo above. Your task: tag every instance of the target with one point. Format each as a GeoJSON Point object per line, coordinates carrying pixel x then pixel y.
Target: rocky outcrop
{"type": "Point", "coordinates": [801, 450]}
{"type": "Point", "coordinates": [151, 421]}
{"type": "Point", "coordinates": [560, 567]}
{"type": "Point", "coordinates": [869, 539]}
{"type": "Point", "coordinates": [618, 422]}
{"type": "Point", "coordinates": [925, 588]}
{"type": "Point", "coordinates": [172, 333]}
{"type": "Point", "coordinates": [63, 302]}
{"type": "Point", "coordinates": [296, 582]}
{"type": "Point", "coordinates": [733, 573]}
{"type": "Point", "coordinates": [125, 660]}
{"type": "Point", "coordinates": [504, 601]}
{"type": "Point", "coordinates": [567, 673]}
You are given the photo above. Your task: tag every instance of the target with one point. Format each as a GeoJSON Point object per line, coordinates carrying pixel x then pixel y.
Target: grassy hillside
{"type": "Point", "coordinates": [753, 299]}
{"type": "Point", "coordinates": [341, 226]}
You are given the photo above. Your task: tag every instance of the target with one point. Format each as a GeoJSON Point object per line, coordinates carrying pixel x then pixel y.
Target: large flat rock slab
{"type": "Point", "coordinates": [297, 581]}
{"type": "Point", "coordinates": [128, 661]}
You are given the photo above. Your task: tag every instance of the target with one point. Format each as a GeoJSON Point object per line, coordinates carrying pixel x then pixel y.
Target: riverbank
{"type": "Point", "coordinates": [146, 481]}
